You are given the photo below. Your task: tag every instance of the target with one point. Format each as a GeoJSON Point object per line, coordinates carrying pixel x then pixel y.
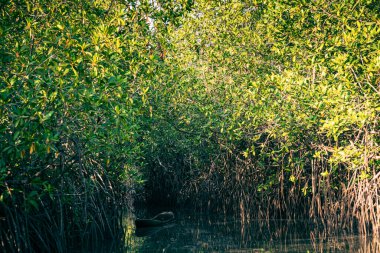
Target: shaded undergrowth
{"type": "Point", "coordinates": [83, 210]}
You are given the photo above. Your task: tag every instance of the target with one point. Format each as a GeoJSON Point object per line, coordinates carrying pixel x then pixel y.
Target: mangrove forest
{"type": "Point", "coordinates": [261, 109]}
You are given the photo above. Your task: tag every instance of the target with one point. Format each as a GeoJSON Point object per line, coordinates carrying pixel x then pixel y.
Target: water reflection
{"type": "Point", "coordinates": [210, 233]}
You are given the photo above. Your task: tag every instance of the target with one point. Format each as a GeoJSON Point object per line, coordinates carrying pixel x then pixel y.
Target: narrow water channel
{"type": "Point", "coordinates": [198, 232]}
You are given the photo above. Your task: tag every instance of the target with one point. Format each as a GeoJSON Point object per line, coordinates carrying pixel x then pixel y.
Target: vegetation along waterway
{"type": "Point", "coordinates": [239, 112]}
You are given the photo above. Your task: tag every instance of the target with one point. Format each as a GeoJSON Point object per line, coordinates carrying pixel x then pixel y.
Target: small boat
{"type": "Point", "coordinates": [158, 220]}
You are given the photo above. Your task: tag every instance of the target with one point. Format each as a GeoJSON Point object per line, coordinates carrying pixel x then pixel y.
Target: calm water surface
{"type": "Point", "coordinates": [196, 232]}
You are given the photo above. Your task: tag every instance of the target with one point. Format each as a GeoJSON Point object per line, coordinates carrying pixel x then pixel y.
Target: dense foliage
{"type": "Point", "coordinates": [265, 105]}
{"type": "Point", "coordinates": [276, 107]}
{"type": "Point", "coordinates": [73, 93]}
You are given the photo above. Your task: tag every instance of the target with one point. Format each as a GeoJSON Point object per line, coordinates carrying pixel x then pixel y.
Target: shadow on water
{"type": "Point", "coordinates": [196, 232]}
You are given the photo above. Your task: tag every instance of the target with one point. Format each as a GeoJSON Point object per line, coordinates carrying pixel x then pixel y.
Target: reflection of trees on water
{"type": "Point", "coordinates": [197, 233]}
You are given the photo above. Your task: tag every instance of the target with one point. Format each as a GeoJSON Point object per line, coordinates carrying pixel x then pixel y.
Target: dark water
{"type": "Point", "coordinates": [196, 232]}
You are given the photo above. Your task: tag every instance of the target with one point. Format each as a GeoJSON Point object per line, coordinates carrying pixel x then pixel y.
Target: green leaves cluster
{"type": "Point", "coordinates": [76, 82]}
{"type": "Point", "coordinates": [286, 85]}
{"type": "Point", "coordinates": [80, 82]}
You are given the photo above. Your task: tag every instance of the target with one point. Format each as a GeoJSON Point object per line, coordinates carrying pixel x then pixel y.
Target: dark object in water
{"type": "Point", "coordinates": [148, 231]}
{"type": "Point", "coordinates": [158, 220]}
